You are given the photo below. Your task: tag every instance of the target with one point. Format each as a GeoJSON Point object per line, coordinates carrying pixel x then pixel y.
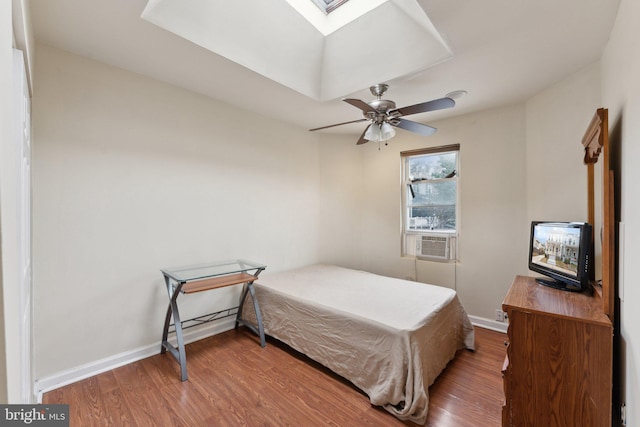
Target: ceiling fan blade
{"type": "Point", "coordinates": [358, 103]}
{"type": "Point", "coordinates": [361, 140]}
{"type": "Point", "coordinates": [436, 104]}
{"type": "Point", "coordinates": [419, 128]}
{"type": "Point", "coordinates": [339, 124]}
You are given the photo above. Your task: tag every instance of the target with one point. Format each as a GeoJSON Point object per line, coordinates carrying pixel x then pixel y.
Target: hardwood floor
{"type": "Point", "coordinates": [235, 382]}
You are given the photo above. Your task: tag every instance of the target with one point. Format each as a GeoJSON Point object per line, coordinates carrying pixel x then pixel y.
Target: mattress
{"type": "Point", "coordinates": [391, 338]}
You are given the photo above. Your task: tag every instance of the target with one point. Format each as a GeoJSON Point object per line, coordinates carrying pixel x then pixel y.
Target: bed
{"type": "Point", "coordinates": [391, 338]}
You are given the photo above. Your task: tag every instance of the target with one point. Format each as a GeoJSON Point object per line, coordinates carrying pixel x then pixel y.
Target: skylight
{"type": "Point", "coordinates": [328, 6]}
{"type": "Point", "coordinates": [296, 44]}
{"type": "Point", "coordinates": [327, 23]}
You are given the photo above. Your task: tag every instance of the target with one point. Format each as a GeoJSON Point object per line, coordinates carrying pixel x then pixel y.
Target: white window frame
{"type": "Point", "coordinates": [409, 237]}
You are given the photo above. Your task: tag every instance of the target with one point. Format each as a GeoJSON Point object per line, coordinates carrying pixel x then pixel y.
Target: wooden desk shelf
{"type": "Point", "coordinates": [217, 282]}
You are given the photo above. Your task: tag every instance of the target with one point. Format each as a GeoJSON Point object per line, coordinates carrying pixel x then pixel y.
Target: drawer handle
{"type": "Point", "coordinates": [506, 343]}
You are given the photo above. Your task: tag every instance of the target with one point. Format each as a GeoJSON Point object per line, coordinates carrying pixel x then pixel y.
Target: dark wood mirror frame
{"type": "Point", "coordinates": [595, 142]}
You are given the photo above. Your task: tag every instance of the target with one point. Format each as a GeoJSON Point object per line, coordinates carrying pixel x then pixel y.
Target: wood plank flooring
{"type": "Point", "coordinates": [235, 382]}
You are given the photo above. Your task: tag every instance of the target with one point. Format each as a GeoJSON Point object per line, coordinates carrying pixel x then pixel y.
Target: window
{"type": "Point", "coordinates": [430, 193]}
{"type": "Point", "coordinates": [328, 6]}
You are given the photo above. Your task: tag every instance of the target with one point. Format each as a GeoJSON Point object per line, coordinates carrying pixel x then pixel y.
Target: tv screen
{"type": "Point", "coordinates": [561, 251]}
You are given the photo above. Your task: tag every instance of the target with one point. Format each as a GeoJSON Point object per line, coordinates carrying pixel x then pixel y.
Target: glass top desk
{"type": "Point", "coordinates": [204, 277]}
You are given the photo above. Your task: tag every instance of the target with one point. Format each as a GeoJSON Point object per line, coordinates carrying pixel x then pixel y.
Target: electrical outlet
{"type": "Point", "coordinates": [623, 414]}
{"type": "Point", "coordinates": [499, 315]}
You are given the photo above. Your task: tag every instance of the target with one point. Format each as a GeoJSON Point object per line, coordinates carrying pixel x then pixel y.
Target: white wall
{"type": "Point", "coordinates": [556, 121]}
{"type": "Point", "coordinates": [132, 175]}
{"type": "Point", "coordinates": [6, 136]}
{"type": "Point", "coordinates": [493, 201]}
{"type": "Point", "coordinates": [341, 210]}
{"type": "Point", "coordinates": [621, 95]}
{"type": "Point", "coordinates": [15, 29]}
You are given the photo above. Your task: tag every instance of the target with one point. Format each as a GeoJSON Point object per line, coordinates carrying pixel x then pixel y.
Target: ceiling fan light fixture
{"type": "Point", "coordinates": [373, 133]}
{"type": "Point", "coordinates": [387, 131]}
{"type": "Point", "coordinates": [379, 132]}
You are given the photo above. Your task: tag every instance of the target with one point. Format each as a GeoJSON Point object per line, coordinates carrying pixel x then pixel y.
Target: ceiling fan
{"type": "Point", "coordinates": [384, 116]}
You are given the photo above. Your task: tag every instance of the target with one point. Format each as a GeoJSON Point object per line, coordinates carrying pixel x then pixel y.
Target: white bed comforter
{"type": "Point", "coordinates": [389, 337]}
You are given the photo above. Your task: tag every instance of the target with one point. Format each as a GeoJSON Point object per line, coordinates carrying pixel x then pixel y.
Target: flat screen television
{"type": "Point", "coordinates": [561, 251]}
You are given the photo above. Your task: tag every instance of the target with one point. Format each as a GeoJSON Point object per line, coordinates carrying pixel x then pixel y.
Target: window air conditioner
{"type": "Point", "coordinates": [433, 247]}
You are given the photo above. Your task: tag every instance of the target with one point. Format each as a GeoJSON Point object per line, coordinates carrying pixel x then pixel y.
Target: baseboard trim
{"type": "Point", "coordinates": [69, 376]}
{"type": "Point", "coordinates": [489, 324]}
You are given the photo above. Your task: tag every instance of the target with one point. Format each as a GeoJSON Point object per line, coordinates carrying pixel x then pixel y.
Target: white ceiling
{"type": "Point", "coordinates": [298, 55]}
{"type": "Point", "coordinates": [504, 51]}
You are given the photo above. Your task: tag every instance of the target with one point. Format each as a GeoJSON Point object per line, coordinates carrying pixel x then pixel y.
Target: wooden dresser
{"type": "Point", "coordinates": [558, 369]}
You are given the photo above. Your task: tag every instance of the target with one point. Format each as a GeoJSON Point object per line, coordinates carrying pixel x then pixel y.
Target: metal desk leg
{"type": "Point", "coordinates": [165, 331]}
{"type": "Point", "coordinates": [258, 314]}
{"type": "Point", "coordinates": [248, 288]}
{"type": "Point", "coordinates": [178, 353]}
